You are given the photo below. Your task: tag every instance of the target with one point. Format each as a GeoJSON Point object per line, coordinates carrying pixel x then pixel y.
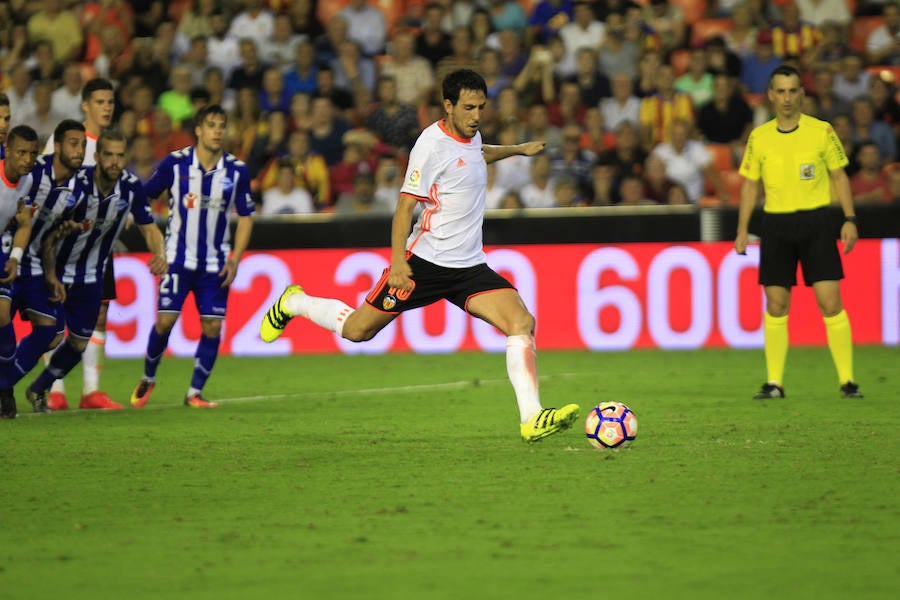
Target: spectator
{"type": "Point", "coordinates": [741, 38]}
{"type": "Point", "coordinates": [535, 82]}
{"type": "Point", "coordinates": [720, 58]}
{"type": "Point", "coordinates": [572, 162]}
{"type": "Point", "coordinates": [304, 20]}
{"type": "Point", "coordinates": [142, 163]}
{"type": "Point", "coordinates": [250, 71]}
{"type": "Point", "coordinates": [66, 100]}
{"type": "Point", "coordinates": [727, 119]}
{"type": "Point", "coordinates": [166, 138]}
{"type": "Point", "coordinates": [818, 12]}
{"type": "Point", "coordinates": [299, 112]}
{"type": "Point", "coordinates": [567, 194]}
{"type": "Point", "coordinates": [254, 22]}
{"type": "Point", "coordinates": [667, 23]}
{"type": "Point", "coordinates": [285, 198]}
{"type": "Point", "coordinates": [658, 187]}
{"type": "Point", "coordinates": [569, 108]}
{"type": "Point", "coordinates": [388, 180]}
{"type": "Point", "coordinates": [647, 73]}
{"type": "Point", "coordinates": [413, 75]}
{"type": "Point", "coordinates": [176, 101]}
{"type": "Point", "coordinates": [583, 32]}
{"type": "Point", "coordinates": [495, 193]}
{"type": "Point", "coordinates": [538, 127]}
{"type": "Point", "coordinates": [196, 60]}
{"type": "Point", "coordinates": [603, 10]}
{"type": "Point", "coordinates": [360, 200]}
{"type": "Point", "coordinates": [623, 105]}
{"type": "Point", "coordinates": [548, 17]}
{"type": "Point", "coordinates": [892, 173]}
{"type": "Point", "coordinates": [196, 21]}
{"type": "Point", "coordinates": [538, 193]}
{"type": "Point", "coordinates": [765, 13]}
{"type": "Point", "coordinates": [830, 104]}
{"type": "Point", "coordinates": [142, 108]}
{"type": "Point", "coordinates": [852, 80]}
{"type": "Point", "coordinates": [867, 127]}
{"type": "Point", "coordinates": [327, 131]}
{"type": "Point", "coordinates": [355, 73]}
{"type": "Point", "coordinates": [507, 15]}
{"type": "Point", "coordinates": [433, 43]}
{"type": "Point", "coordinates": [516, 175]}
{"type": "Point", "coordinates": [843, 129]}
{"type": "Point", "coordinates": [301, 76]}
{"type": "Point", "coordinates": [214, 83]}
{"type": "Point", "coordinates": [604, 183]}
{"type": "Point", "coordinates": [341, 98]}
{"type": "Point", "coordinates": [280, 49]}
{"type": "Point", "coordinates": [396, 124]}
{"type": "Point", "coordinates": [885, 104]}
{"type": "Point", "coordinates": [759, 66]}
{"type": "Point", "coordinates": [148, 66]}
{"type": "Point", "coordinates": [366, 26]}
{"type": "Point", "coordinates": [659, 111]}
{"type": "Point", "coordinates": [627, 156]}
{"type": "Point", "coordinates": [689, 163]}
{"type": "Point", "coordinates": [310, 170]}
{"type": "Point", "coordinates": [242, 125]}
{"type": "Point", "coordinates": [274, 95]}
{"type": "Point", "coordinates": [593, 84]}
{"type": "Point", "coordinates": [463, 57]}
{"type": "Point", "coordinates": [869, 184]}
{"type": "Point", "coordinates": [41, 118]}
{"type": "Point", "coordinates": [20, 92]}
{"type": "Point", "coordinates": [45, 66]}
{"type": "Point", "coordinates": [113, 16]}
{"type": "Point", "coordinates": [223, 49]}
{"type": "Point", "coordinates": [489, 67]}
{"type": "Point", "coordinates": [697, 81]}
{"type": "Point", "coordinates": [831, 50]}
{"type": "Point", "coordinates": [883, 44]}
{"type": "Point", "coordinates": [631, 192]}
{"type": "Point", "coordinates": [482, 30]}
{"type": "Point", "coordinates": [595, 138]}
{"type": "Point", "coordinates": [511, 200]}
{"type": "Point", "coordinates": [791, 36]}
{"type": "Point", "coordinates": [617, 52]}
{"type": "Point", "coordinates": [269, 143]}
{"type": "Point", "coordinates": [58, 26]}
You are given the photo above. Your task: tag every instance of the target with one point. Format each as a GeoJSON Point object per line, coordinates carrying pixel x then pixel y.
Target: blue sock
{"type": "Point", "coordinates": [7, 354]}
{"type": "Point", "coordinates": [30, 350]}
{"type": "Point", "coordinates": [156, 347]}
{"type": "Point", "coordinates": [205, 358]}
{"type": "Point", "coordinates": [63, 360]}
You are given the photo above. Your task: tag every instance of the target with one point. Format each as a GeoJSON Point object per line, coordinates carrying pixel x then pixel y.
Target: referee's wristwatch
{"type": "Point", "coordinates": [851, 219]}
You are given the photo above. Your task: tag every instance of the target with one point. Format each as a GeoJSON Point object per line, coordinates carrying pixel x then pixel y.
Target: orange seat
{"type": "Point", "coordinates": [732, 180]}
{"type": "Point", "coordinates": [754, 100]}
{"type": "Point", "coordinates": [860, 28]}
{"type": "Point", "coordinates": [693, 9]}
{"type": "Point", "coordinates": [721, 156]}
{"type": "Point", "coordinates": [707, 28]}
{"type": "Point", "coordinates": [889, 73]}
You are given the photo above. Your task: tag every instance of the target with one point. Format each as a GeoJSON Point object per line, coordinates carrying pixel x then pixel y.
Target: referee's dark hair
{"type": "Point", "coordinates": [784, 70]}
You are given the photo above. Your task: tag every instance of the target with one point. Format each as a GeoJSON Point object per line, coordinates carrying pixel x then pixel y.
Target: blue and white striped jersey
{"type": "Point", "coordinates": [81, 256]}
{"type": "Point", "coordinates": [197, 235]}
{"type": "Point", "coordinates": [11, 194]}
{"type": "Point", "coordinates": [52, 203]}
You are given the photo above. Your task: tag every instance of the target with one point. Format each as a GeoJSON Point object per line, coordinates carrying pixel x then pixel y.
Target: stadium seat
{"type": "Point", "coordinates": [860, 28]}
{"type": "Point", "coordinates": [721, 155]}
{"type": "Point", "coordinates": [732, 180]}
{"type": "Point", "coordinates": [693, 9]}
{"type": "Point", "coordinates": [706, 28]}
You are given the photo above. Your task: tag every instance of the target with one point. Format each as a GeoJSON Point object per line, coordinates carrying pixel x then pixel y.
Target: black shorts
{"type": "Point", "coordinates": [433, 283]}
{"type": "Point", "coordinates": [109, 282]}
{"type": "Point", "coordinates": [808, 237]}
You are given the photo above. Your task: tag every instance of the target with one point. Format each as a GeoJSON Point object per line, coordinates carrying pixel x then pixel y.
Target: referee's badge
{"type": "Point", "coordinates": [807, 171]}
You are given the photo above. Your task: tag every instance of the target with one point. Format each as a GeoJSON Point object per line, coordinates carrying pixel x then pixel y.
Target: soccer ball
{"type": "Point", "coordinates": [610, 425]}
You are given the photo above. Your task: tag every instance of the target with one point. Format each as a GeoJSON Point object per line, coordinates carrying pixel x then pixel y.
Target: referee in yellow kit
{"type": "Point", "coordinates": [800, 161]}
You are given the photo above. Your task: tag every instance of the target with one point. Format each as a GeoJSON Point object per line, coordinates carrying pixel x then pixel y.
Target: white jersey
{"type": "Point", "coordinates": [89, 149]}
{"type": "Point", "coordinates": [11, 195]}
{"type": "Point", "coordinates": [449, 176]}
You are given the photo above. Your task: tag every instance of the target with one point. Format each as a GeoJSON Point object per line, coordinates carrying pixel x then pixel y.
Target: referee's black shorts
{"type": "Point", "coordinates": [109, 282]}
{"type": "Point", "coordinates": [433, 283]}
{"type": "Point", "coordinates": [808, 237]}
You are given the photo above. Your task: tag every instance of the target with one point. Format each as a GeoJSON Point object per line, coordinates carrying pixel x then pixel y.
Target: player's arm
{"type": "Point", "coordinates": [400, 273]}
{"type": "Point", "coordinates": [48, 259]}
{"type": "Point", "coordinates": [493, 153]}
{"type": "Point", "coordinates": [154, 239]}
{"type": "Point", "coordinates": [241, 240]}
{"type": "Point", "coordinates": [19, 243]}
{"type": "Point", "coordinates": [840, 190]}
{"type": "Point", "coordinates": [749, 194]}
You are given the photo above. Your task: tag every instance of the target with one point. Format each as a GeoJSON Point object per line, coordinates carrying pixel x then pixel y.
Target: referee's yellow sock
{"type": "Point", "coordinates": [840, 342]}
{"type": "Point", "coordinates": [776, 336]}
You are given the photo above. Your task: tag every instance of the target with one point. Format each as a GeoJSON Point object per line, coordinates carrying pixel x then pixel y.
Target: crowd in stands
{"type": "Point", "coordinates": [640, 102]}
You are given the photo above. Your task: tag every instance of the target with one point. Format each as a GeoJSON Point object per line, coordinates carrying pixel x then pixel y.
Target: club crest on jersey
{"type": "Point", "coordinates": [87, 224]}
{"type": "Point", "coordinates": [807, 171]}
{"type": "Point", "coordinates": [189, 200]}
{"type": "Point", "coordinates": [389, 302]}
{"type": "Point", "coordinates": [415, 176]}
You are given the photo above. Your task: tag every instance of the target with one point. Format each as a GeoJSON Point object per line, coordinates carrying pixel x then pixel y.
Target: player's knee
{"type": "Point", "coordinates": [357, 334]}
{"type": "Point", "coordinates": [78, 344]}
{"type": "Point", "coordinates": [522, 324]}
{"type": "Point", "coordinates": [55, 342]}
{"type": "Point", "coordinates": [830, 307]}
{"type": "Point", "coordinates": [211, 327]}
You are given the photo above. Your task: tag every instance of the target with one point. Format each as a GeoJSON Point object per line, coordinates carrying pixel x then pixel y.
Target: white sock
{"type": "Point", "coordinates": [58, 385]}
{"type": "Point", "coordinates": [327, 313]}
{"type": "Point", "coordinates": [92, 362]}
{"type": "Point", "coordinates": [521, 365]}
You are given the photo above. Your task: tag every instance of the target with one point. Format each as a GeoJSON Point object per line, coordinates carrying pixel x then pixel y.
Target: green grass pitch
{"type": "Point", "coordinates": [403, 476]}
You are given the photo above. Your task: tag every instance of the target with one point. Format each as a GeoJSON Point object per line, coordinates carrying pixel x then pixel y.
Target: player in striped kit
{"type": "Point", "coordinates": [54, 203]}
{"type": "Point", "coordinates": [204, 184]}
{"type": "Point", "coordinates": [15, 221]}
{"type": "Point", "coordinates": [98, 103]}
{"type": "Point", "coordinates": [80, 249]}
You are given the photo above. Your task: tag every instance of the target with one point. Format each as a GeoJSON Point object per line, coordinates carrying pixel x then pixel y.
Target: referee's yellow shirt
{"type": "Point", "coordinates": [794, 166]}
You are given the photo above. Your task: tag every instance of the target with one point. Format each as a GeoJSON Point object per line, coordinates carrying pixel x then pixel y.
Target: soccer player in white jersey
{"type": "Point", "coordinates": [98, 103]}
{"type": "Point", "coordinates": [76, 254]}
{"type": "Point", "coordinates": [443, 257]}
{"type": "Point", "coordinates": [15, 221]}
{"type": "Point", "coordinates": [204, 184]}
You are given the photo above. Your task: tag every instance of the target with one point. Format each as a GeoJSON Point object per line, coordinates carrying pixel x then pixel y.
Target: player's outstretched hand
{"type": "Point", "coordinates": [532, 148]}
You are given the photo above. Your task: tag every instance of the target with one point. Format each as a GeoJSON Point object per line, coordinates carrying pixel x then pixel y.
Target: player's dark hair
{"type": "Point", "coordinates": [786, 70]}
{"type": "Point", "coordinates": [22, 132]}
{"type": "Point", "coordinates": [462, 79]}
{"type": "Point", "coordinates": [210, 109]}
{"type": "Point", "coordinates": [64, 127]}
{"type": "Point", "coordinates": [95, 85]}
{"type": "Point", "coordinates": [4, 99]}
{"type": "Point", "coordinates": [112, 134]}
